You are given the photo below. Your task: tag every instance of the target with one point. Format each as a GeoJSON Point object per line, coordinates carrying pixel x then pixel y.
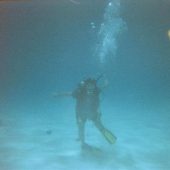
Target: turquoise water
{"type": "Point", "coordinates": [49, 47]}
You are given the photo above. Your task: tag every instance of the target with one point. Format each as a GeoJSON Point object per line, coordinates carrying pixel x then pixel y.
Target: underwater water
{"type": "Point", "coordinates": [49, 47]}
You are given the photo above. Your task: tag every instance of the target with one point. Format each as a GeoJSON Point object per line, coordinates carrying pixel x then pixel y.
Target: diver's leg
{"type": "Point", "coordinates": [81, 129]}
{"type": "Point", "coordinates": [109, 136]}
{"type": "Point", "coordinates": [98, 123]}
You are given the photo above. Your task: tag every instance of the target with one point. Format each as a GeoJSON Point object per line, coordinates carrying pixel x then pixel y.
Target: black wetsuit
{"type": "Point", "coordinates": [87, 108]}
{"type": "Point", "coordinates": [87, 105]}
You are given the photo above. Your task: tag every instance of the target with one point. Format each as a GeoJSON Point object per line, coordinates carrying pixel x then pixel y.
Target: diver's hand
{"type": "Point", "coordinates": [105, 84]}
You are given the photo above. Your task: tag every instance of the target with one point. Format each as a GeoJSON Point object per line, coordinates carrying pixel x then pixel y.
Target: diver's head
{"type": "Point", "coordinates": [90, 85]}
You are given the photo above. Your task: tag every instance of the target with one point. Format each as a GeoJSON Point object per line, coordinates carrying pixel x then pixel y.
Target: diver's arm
{"type": "Point", "coordinates": [63, 94]}
{"type": "Point", "coordinates": [105, 84]}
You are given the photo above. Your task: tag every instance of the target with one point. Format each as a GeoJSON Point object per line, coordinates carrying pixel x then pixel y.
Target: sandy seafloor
{"type": "Point", "coordinates": [49, 47]}
{"type": "Point", "coordinates": [48, 142]}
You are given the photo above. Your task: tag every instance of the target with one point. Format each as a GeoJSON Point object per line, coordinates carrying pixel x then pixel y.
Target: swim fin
{"type": "Point", "coordinates": [109, 136]}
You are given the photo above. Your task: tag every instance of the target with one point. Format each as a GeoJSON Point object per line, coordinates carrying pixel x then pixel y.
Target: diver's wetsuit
{"type": "Point", "coordinates": [87, 108]}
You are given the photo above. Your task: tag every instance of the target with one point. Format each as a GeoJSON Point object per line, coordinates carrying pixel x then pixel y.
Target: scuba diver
{"type": "Point", "coordinates": [87, 108]}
